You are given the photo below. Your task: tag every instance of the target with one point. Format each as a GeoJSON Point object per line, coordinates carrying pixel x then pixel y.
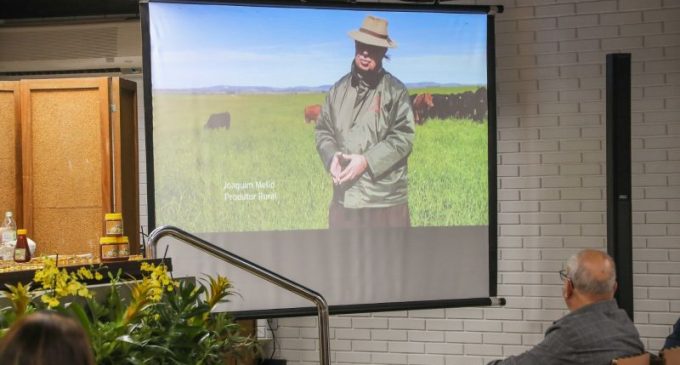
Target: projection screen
{"type": "Point", "coordinates": [271, 135]}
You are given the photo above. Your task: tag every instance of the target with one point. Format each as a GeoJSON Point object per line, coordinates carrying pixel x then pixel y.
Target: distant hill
{"type": "Point", "coordinates": [420, 85]}
{"type": "Point", "coordinates": [227, 89]}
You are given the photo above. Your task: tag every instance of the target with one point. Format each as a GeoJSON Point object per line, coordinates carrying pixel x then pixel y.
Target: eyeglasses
{"type": "Point", "coordinates": [372, 51]}
{"type": "Point", "coordinates": [564, 276]}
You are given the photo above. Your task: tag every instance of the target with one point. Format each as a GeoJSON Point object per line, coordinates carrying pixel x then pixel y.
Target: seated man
{"type": "Point", "coordinates": [596, 330]}
{"type": "Point", "coordinates": [673, 340]}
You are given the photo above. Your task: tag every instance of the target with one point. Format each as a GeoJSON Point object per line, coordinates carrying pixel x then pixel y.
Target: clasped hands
{"type": "Point", "coordinates": [346, 167]}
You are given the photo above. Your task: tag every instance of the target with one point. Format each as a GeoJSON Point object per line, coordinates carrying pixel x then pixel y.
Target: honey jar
{"type": "Point", "coordinates": [108, 248]}
{"type": "Point", "coordinates": [123, 248]}
{"type": "Point", "coordinates": [113, 224]}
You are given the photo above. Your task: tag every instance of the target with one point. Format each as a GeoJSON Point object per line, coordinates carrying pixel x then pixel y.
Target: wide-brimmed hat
{"type": "Point", "coordinates": [373, 31]}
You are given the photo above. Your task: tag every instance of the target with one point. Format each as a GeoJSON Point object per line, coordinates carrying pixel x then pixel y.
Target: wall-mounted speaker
{"type": "Point", "coordinates": [619, 204]}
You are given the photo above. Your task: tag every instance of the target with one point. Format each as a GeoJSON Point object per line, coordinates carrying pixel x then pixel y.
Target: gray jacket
{"type": "Point", "coordinates": [374, 118]}
{"type": "Point", "coordinates": [592, 335]}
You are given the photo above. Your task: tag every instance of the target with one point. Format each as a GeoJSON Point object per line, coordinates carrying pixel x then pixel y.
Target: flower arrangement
{"type": "Point", "coordinates": [163, 321]}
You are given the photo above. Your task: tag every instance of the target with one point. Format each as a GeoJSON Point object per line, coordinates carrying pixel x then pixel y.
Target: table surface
{"type": "Point", "coordinates": [13, 273]}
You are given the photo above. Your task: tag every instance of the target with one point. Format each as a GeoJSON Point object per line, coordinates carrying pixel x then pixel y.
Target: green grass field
{"type": "Point", "coordinates": [443, 90]}
{"type": "Point", "coordinates": [207, 180]}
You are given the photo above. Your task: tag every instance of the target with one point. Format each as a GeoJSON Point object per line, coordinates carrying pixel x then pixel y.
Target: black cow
{"type": "Point", "coordinates": [482, 109]}
{"type": "Point", "coordinates": [465, 105]}
{"type": "Point", "coordinates": [440, 107]}
{"type": "Point", "coordinates": [218, 120]}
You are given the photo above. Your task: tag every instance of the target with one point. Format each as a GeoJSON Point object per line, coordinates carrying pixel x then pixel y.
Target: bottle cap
{"type": "Point", "coordinates": [22, 231]}
{"type": "Point", "coordinates": [8, 214]}
{"type": "Point", "coordinates": [113, 216]}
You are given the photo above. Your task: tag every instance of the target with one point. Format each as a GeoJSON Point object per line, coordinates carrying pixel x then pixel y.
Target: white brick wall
{"type": "Point", "coordinates": [551, 152]}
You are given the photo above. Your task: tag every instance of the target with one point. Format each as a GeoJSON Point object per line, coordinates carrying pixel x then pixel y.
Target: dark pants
{"type": "Point", "coordinates": [341, 217]}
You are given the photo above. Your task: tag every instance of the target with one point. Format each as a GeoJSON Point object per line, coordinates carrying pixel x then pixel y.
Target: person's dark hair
{"type": "Point", "coordinates": [44, 338]}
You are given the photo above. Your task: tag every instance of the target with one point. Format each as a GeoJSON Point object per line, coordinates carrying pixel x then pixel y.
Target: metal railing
{"type": "Point", "coordinates": [259, 271]}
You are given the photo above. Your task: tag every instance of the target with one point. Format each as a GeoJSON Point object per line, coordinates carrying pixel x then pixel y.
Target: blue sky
{"type": "Point", "coordinates": [199, 45]}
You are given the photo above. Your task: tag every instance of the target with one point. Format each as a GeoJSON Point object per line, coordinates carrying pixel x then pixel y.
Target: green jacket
{"type": "Point", "coordinates": [371, 117]}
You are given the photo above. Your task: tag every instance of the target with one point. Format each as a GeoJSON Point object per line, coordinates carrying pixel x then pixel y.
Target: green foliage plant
{"type": "Point", "coordinates": [161, 321]}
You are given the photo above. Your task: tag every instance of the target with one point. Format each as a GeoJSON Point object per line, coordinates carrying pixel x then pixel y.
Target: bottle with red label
{"type": "Point", "coordinates": [21, 251]}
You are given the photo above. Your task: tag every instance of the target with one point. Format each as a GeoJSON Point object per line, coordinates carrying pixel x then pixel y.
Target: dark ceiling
{"type": "Point", "coordinates": [20, 10]}
{"type": "Point", "coordinates": [32, 9]}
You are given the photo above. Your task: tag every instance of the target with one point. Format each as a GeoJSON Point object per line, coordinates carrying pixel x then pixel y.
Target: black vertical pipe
{"type": "Point", "coordinates": [148, 114]}
{"type": "Point", "coordinates": [619, 207]}
{"type": "Point", "coordinates": [492, 173]}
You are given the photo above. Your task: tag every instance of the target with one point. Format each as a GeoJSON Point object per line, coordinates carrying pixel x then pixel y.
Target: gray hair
{"type": "Point", "coordinates": [585, 281]}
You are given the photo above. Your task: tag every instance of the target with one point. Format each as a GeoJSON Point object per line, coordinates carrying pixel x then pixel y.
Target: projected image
{"type": "Point", "coordinates": [281, 119]}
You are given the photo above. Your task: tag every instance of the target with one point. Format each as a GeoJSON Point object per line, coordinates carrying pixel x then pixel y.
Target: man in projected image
{"type": "Point", "coordinates": [596, 330]}
{"type": "Point", "coordinates": [364, 136]}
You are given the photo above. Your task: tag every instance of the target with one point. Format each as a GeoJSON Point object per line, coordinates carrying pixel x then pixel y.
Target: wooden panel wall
{"type": "Point", "coordinates": [126, 158]}
{"type": "Point", "coordinates": [10, 150]}
{"type": "Point", "coordinates": [66, 162]}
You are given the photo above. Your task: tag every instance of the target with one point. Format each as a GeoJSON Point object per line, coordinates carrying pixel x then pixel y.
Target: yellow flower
{"type": "Point", "coordinates": [84, 292]}
{"type": "Point", "coordinates": [47, 275]}
{"type": "Point", "coordinates": [20, 297]}
{"type": "Point", "coordinates": [61, 283]}
{"type": "Point", "coordinates": [140, 297]}
{"type": "Point", "coordinates": [146, 267]}
{"type": "Point", "coordinates": [156, 281]}
{"type": "Point", "coordinates": [219, 289]}
{"type": "Point", "coordinates": [51, 301]}
{"type": "Point", "coordinates": [84, 273]}
{"type": "Point", "coordinates": [72, 287]}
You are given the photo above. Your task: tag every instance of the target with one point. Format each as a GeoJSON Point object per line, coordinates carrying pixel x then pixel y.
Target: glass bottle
{"type": "Point", "coordinates": [21, 251]}
{"type": "Point", "coordinates": [8, 229]}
